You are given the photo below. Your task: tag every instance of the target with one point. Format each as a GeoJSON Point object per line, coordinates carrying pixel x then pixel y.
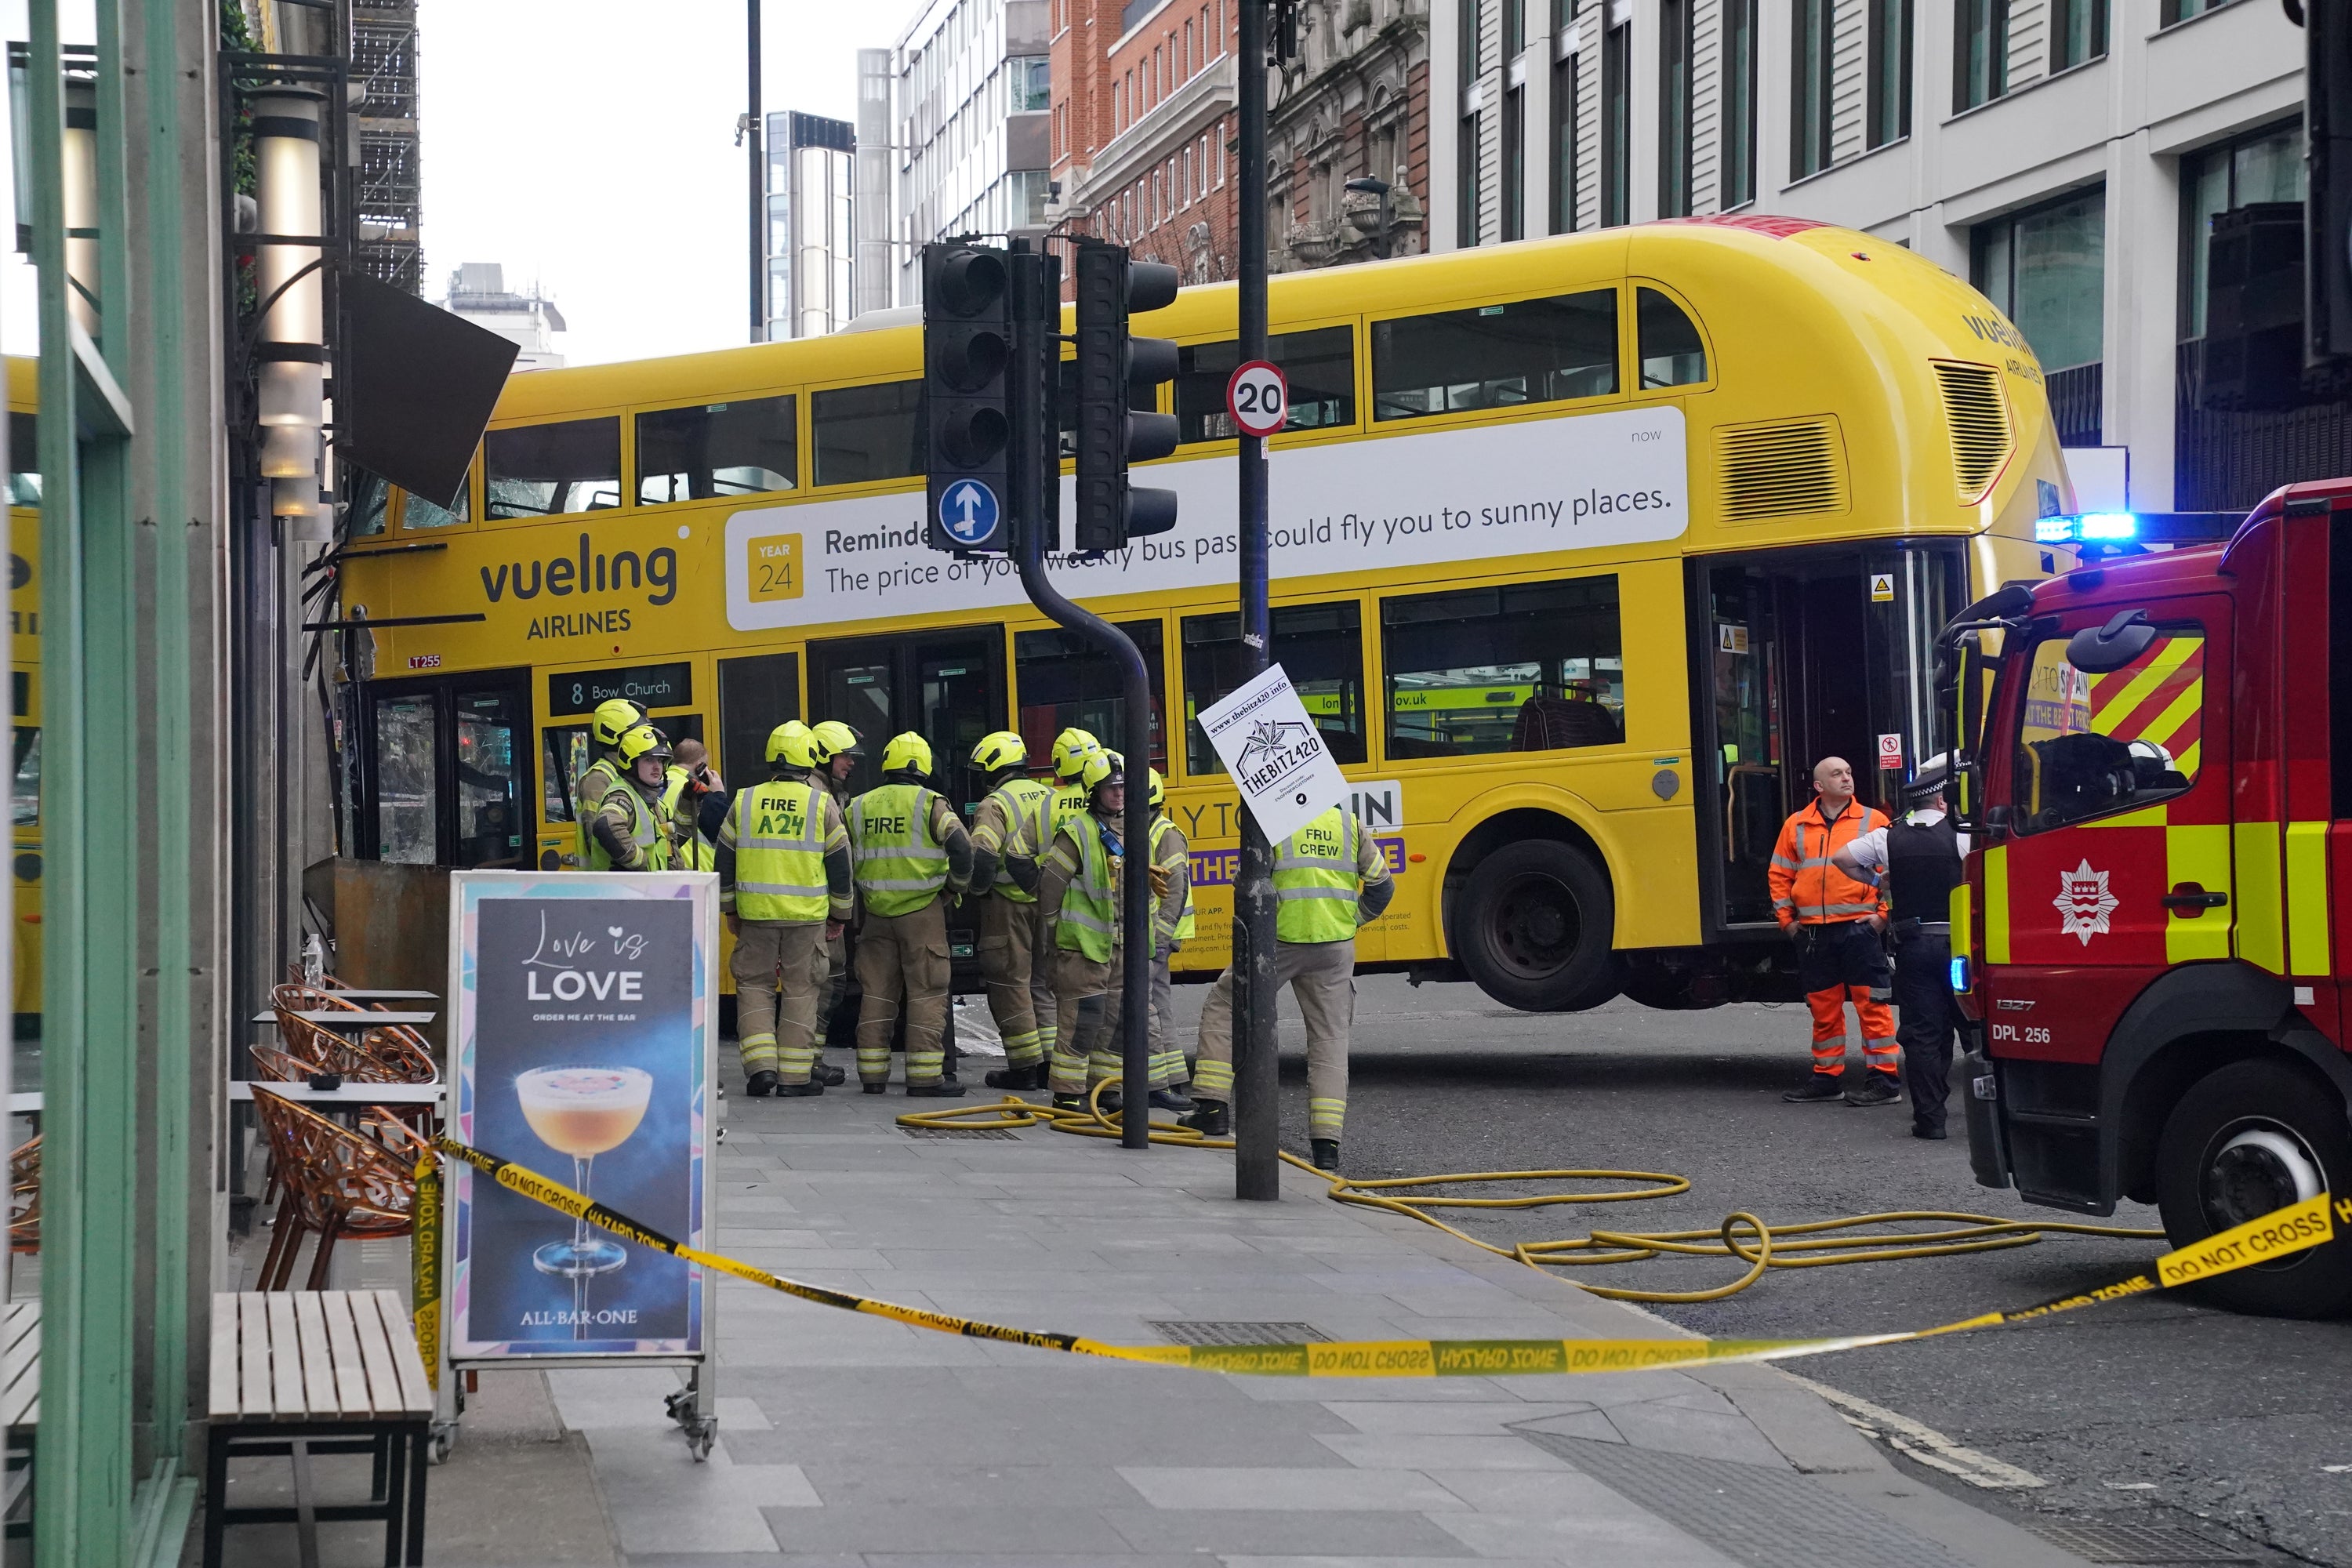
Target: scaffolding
{"type": "Point", "coordinates": [386, 198]}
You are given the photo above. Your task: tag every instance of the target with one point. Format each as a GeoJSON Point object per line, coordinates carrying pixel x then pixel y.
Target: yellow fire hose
{"type": "Point", "coordinates": [1816, 1244]}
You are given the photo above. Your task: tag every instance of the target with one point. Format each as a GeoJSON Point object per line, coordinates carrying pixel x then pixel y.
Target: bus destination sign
{"type": "Point", "coordinates": [647, 685]}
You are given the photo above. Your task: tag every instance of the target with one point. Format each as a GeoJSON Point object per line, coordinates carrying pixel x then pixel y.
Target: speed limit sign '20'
{"type": "Point", "coordinates": [1258, 398]}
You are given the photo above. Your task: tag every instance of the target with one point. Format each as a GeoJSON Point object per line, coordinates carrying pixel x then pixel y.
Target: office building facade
{"type": "Point", "coordinates": [812, 176]}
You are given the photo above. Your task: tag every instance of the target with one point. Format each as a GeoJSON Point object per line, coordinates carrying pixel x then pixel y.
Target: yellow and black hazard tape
{"type": "Point", "coordinates": [2273, 1236]}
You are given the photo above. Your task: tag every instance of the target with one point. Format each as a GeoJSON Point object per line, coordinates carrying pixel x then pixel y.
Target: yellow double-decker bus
{"type": "Point", "coordinates": [1583, 548]}
{"type": "Point", "coordinates": [25, 692]}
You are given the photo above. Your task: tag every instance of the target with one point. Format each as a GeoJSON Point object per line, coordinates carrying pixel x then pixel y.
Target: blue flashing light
{"type": "Point", "coordinates": [1959, 974]}
{"type": "Point", "coordinates": [2093, 527]}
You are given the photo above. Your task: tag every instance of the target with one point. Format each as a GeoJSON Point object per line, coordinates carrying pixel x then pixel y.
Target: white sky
{"type": "Point", "coordinates": [589, 145]}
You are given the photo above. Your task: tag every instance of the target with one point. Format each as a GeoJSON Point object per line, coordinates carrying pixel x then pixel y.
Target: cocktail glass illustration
{"type": "Point", "coordinates": [584, 1112]}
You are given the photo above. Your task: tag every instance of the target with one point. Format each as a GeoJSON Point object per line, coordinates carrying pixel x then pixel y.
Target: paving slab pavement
{"type": "Point", "coordinates": [848, 1439]}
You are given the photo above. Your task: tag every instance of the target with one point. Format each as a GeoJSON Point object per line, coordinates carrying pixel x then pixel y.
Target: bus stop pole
{"type": "Point", "coordinates": [1257, 1165]}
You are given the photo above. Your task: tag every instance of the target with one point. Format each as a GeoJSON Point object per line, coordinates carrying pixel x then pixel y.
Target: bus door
{"type": "Point", "coordinates": [566, 748]}
{"type": "Point", "coordinates": [446, 772]}
{"type": "Point", "coordinates": [1796, 655]}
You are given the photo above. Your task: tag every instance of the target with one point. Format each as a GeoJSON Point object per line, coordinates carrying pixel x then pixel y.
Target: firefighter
{"type": "Point", "coordinates": [631, 831]}
{"type": "Point", "coordinates": [1080, 895]}
{"type": "Point", "coordinates": [1917, 860]}
{"type": "Point", "coordinates": [838, 747]}
{"type": "Point", "coordinates": [1835, 922]}
{"type": "Point", "coordinates": [612, 719]}
{"type": "Point", "coordinates": [784, 880]}
{"type": "Point", "coordinates": [1007, 832]}
{"type": "Point", "coordinates": [1330, 877]}
{"type": "Point", "coordinates": [911, 852]}
{"type": "Point", "coordinates": [1071, 749]}
{"type": "Point", "coordinates": [1172, 885]}
{"type": "Point", "coordinates": [1068, 799]}
{"type": "Point", "coordinates": [694, 796]}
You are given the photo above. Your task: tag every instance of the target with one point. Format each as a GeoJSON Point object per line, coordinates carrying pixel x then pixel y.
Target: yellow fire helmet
{"type": "Point", "coordinates": [614, 719]}
{"type": "Point", "coordinates": [1159, 789]}
{"type": "Point", "coordinates": [643, 740]}
{"type": "Point", "coordinates": [906, 751]}
{"type": "Point", "coordinates": [1100, 767]}
{"type": "Point", "coordinates": [998, 752]}
{"type": "Point", "coordinates": [835, 739]}
{"type": "Point", "coordinates": [1071, 749]}
{"type": "Point", "coordinates": [790, 743]}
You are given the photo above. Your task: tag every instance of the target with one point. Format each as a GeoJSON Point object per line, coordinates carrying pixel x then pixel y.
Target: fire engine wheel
{"type": "Point", "coordinates": [2245, 1139]}
{"type": "Point", "coordinates": [1535, 928]}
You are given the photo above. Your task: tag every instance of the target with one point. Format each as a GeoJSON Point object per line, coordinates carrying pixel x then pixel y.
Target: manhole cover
{"type": "Point", "coordinates": [1000, 1132]}
{"type": "Point", "coordinates": [2137, 1543]}
{"type": "Point", "coordinates": [1192, 1334]}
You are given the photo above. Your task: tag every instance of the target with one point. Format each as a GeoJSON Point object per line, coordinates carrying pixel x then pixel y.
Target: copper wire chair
{"type": "Point", "coordinates": [339, 1186]}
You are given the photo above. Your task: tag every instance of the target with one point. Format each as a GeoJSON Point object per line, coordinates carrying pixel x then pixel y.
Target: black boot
{"type": "Point", "coordinates": [1169, 1099]}
{"type": "Point", "coordinates": [760, 1083]}
{"type": "Point", "coordinates": [945, 1089]}
{"type": "Point", "coordinates": [799, 1090]}
{"type": "Point", "coordinates": [1327, 1154]}
{"type": "Point", "coordinates": [875, 1088]}
{"type": "Point", "coordinates": [1070, 1102]}
{"type": "Point", "coordinates": [1876, 1088]}
{"type": "Point", "coordinates": [1819, 1089]}
{"type": "Point", "coordinates": [1209, 1117]}
{"type": "Point", "coordinates": [1030, 1077]}
{"type": "Point", "coordinates": [825, 1073]}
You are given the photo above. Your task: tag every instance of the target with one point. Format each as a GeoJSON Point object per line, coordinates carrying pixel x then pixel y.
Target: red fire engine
{"type": "Point", "coordinates": [2160, 791]}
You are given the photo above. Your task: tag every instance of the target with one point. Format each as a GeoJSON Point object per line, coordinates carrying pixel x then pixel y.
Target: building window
{"type": "Point", "coordinates": [1616, 124]}
{"type": "Point", "coordinates": [1736, 177]}
{"type": "Point", "coordinates": [2078, 32]}
{"type": "Point", "coordinates": [1515, 163]}
{"type": "Point", "coordinates": [1533, 667]}
{"type": "Point", "coordinates": [1811, 96]}
{"type": "Point", "coordinates": [1890, 70]}
{"type": "Point", "coordinates": [1031, 78]}
{"type": "Point", "coordinates": [2046, 269]}
{"type": "Point", "coordinates": [1674, 108]}
{"type": "Point", "coordinates": [2182, 10]}
{"type": "Point", "coordinates": [1496, 356]}
{"type": "Point", "coordinates": [1465, 217]}
{"type": "Point", "coordinates": [2266, 167]}
{"type": "Point", "coordinates": [1564, 143]}
{"type": "Point", "coordinates": [1979, 52]}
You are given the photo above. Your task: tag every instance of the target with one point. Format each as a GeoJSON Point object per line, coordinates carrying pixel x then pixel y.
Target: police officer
{"type": "Point", "coordinates": [911, 851]}
{"type": "Point", "coordinates": [631, 831]}
{"type": "Point", "coordinates": [785, 882]}
{"type": "Point", "coordinates": [1835, 920]}
{"type": "Point", "coordinates": [1330, 877]}
{"type": "Point", "coordinates": [1917, 860]}
{"type": "Point", "coordinates": [1005, 835]}
{"type": "Point", "coordinates": [1172, 885]}
{"type": "Point", "coordinates": [612, 719]}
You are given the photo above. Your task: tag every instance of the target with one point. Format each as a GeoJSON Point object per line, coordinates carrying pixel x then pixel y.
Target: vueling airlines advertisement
{"type": "Point", "coordinates": [661, 580]}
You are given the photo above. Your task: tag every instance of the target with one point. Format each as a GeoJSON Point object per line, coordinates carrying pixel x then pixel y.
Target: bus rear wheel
{"type": "Point", "coordinates": [1535, 929]}
{"type": "Point", "coordinates": [2245, 1139]}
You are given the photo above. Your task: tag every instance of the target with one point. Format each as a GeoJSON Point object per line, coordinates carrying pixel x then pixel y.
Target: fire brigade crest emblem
{"type": "Point", "coordinates": [2084, 903]}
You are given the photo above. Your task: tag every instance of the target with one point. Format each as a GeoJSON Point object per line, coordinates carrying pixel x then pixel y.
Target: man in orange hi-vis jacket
{"type": "Point", "coordinates": [1836, 921]}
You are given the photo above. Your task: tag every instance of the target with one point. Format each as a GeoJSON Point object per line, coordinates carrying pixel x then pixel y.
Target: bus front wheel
{"type": "Point", "coordinates": [1535, 928]}
{"type": "Point", "coordinates": [2245, 1139]}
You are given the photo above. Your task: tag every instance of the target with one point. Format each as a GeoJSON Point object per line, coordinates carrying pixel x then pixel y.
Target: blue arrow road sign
{"type": "Point", "coordinates": [967, 512]}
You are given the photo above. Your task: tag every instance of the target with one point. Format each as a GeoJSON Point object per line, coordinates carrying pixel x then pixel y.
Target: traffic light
{"type": "Point", "coordinates": [966, 403]}
{"type": "Point", "coordinates": [1113, 369]}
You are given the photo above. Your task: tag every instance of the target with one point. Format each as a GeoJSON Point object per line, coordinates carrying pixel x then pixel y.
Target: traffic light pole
{"type": "Point", "coordinates": [1037, 358]}
{"type": "Point", "coordinates": [1257, 1165]}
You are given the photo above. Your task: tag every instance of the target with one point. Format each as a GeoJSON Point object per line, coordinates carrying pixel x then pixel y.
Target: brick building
{"type": "Point", "coordinates": [1143, 130]}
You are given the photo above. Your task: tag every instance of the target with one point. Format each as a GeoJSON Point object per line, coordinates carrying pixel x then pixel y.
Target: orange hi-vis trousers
{"type": "Point", "coordinates": [1845, 961]}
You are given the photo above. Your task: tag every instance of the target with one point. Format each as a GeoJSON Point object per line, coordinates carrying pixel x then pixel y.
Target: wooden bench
{"type": "Point", "coordinates": [20, 1409]}
{"type": "Point", "coordinates": [319, 1372]}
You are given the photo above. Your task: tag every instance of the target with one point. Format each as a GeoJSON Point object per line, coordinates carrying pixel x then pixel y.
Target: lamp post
{"type": "Point", "coordinates": [290, 343]}
{"type": "Point", "coordinates": [1379, 220]}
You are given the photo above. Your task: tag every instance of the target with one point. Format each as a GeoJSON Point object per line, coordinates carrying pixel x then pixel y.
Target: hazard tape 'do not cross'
{"type": "Point", "coordinates": [2276, 1234]}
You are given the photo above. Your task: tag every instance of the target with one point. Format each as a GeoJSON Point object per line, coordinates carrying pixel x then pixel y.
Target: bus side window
{"type": "Point", "coordinates": [1322, 648]}
{"type": "Point", "coordinates": [858, 433]}
{"type": "Point", "coordinates": [27, 800]}
{"type": "Point", "coordinates": [1065, 681]}
{"type": "Point", "coordinates": [1496, 356]}
{"type": "Point", "coordinates": [549, 470]}
{"type": "Point", "coordinates": [747, 447]}
{"type": "Point", "coordinates": [1320, 366]}
{"type": "Point", "coordinates": [23, 460]}
{"type": "Point", "coordinates": [566, 758]}
{"type": "Point", "coordinates": [1672, 354]}
{"type": "Point", "coordinates": [371, 502]}
{"type": "Point", "coordinates": [755, 695]}
{"type": "Point", "coordinates": [1536, 667]}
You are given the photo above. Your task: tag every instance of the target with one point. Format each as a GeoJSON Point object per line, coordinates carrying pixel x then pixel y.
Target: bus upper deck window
{"type": "Point", "coordinates": [1671, 349]}
{"type": "Point", "coordinates": [547, 470]}
{"type": "Point", "coordinates": [747, 446]}
{"type": "Point", "coordinates": [863, 433]}
{"type": "Point", "coordinates": [1496, 356]}
{"type": "Point", "coordinates": [417, 512]}
{"type": "Point", "coordinates": [1320, 366]}
{"type": "Point", "coordinates": [371, 502]}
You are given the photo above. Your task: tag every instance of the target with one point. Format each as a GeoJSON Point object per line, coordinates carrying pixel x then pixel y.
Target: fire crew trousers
{"type": "Point", "coordinates": [1322, 975]}
{"type": "Point", "coordinates": [1006, 956]}
{"type": "Point", "coordinates": [903, 956]}
{"type": "Point", "coordinates": [1923, 992]}
{"type": "Point", "coordinates": [1041, 957]}
{"type": "Point", "coordinates": [1166, 1056]}
{"type": "Point", "coordinates": [780, 978]}
{"type": "Point", "coordinates": [1840, 962]}
{"type": "Point", "coordinates": [1088, 1047]}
